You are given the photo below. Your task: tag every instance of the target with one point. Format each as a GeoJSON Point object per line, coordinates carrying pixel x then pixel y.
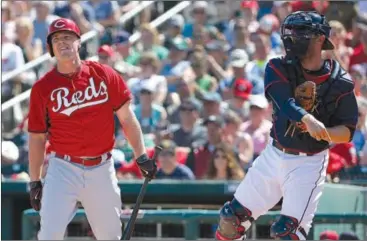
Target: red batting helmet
{"type": "Point", "coordinates": [61, 24]}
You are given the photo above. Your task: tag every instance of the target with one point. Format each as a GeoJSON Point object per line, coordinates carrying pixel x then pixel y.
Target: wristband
{"type": "Point", "coordinates": [142, 158]}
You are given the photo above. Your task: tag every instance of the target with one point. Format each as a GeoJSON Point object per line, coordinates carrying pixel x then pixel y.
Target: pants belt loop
{"type": "Point", "coordinates": [104, 157]}
{"type": "Point", "coordinates": [67, 158]}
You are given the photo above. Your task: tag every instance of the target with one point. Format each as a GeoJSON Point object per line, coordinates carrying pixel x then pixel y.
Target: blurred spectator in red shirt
{"type": "Point", "coordinates": [359, 55]}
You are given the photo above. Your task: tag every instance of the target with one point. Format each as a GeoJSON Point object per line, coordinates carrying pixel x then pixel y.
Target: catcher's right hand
{"type": "Point", "coordinates": [35, 194]}
{"type": "Point", "coordinates": [316, 128]}
{"type": "Point", "coordinates": [147, 166]}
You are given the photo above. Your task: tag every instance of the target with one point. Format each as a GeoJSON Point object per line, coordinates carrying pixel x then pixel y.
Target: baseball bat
{"type": "Point", "coordinates": [131, 223]}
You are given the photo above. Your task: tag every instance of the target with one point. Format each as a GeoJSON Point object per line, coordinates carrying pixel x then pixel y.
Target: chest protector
{"type": "Point", "coordinates": [327, 92]}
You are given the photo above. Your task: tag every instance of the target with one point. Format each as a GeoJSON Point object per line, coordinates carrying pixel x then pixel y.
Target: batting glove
{"type": "Point", "coordinates": [35, 194]}
{"type": "Point", "coordinates": [147, 166]}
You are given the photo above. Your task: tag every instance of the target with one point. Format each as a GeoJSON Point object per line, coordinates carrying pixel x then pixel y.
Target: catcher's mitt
{"type": "Point", "coordinates": [305, 95]}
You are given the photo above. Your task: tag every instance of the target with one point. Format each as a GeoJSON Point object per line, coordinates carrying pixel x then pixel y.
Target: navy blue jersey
{"type": "Point", "coordinates": [336, 104]}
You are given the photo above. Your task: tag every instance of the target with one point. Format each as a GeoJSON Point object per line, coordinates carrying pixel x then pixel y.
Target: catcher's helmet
{"type": "Point", "coordinates": [299, 27]}
{"type": "Point", "coordinates": [61, 24]}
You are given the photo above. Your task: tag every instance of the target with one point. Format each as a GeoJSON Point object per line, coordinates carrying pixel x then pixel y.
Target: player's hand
{"type": "Point", "coordinates": [35, 194]}
{"type": "Point", "coordinates": [316, 128]}
{"type": "Point", "coordinates": [147, 166]}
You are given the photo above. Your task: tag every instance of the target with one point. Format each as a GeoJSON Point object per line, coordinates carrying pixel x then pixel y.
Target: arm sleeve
{"type": "Point", "coordinates": [278, 90]}
{"type": "Point", "coordinates": [118, 91]}
{"type": "Point", "coordinates": [38, 116]}
{"type": "Point", "coordinates": [346, 112]}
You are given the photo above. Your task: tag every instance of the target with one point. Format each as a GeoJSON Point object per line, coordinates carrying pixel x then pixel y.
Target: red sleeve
{"type": "Point", "coordinates": [117, 89]}
{"type": "Point", "coordinates": [37, 119]}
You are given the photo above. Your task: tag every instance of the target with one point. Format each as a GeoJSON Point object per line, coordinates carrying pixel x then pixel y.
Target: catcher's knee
{"type": "Point", "coordinates": [287, 228]}
{"type": "Point", "coordinates": [234, 221]}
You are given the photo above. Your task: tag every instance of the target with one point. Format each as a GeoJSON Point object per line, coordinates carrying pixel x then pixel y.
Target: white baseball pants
{"type": "Point", "coordinates": [96, 188]}
{"type": "Point", "coordinates": [275, 174]}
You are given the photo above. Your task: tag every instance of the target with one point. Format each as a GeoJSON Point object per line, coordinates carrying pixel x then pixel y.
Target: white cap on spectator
{"type": "Point", "coordinates": [259, 101]}
{"type": "Point", "coordinates": [238, 58]}
{"type": "Point", "coordinates": [147, 86]}
{"type": "Point", "coordinates": [200, 4]}
{"type": "Point", "coordinates": [177, 21]}
{"type": "Point", "coordinates": [9, 151]}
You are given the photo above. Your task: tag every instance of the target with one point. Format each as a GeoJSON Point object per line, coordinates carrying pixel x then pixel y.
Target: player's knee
{"type": "Point", "coordinates": [287, 228]}
{"type": "Point", "coordinates": [234, 221]}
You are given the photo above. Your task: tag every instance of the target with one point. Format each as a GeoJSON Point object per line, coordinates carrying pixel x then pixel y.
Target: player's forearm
{"type": "Point", "coordinates": [132, 130]}
{"type": "Point", "coordinates": [339, 134]}
{"type": "Point", "coordinates": [285, 103]}
{"type": "Point", "coordinates": [36, 155]}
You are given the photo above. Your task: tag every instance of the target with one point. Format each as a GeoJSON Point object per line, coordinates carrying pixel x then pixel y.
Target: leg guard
{"type": "Point", "coordinates": [234, 221]}
{"type": "Point", "coordinates": [287, 228]}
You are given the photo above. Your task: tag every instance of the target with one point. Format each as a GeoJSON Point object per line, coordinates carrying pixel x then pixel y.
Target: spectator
{"type": "Point", "coordinates": [204, 82]}
{"type": "Point", "coordinates": [149, 114]}
{"type": "Point", "coordinates": [240, 101]}
{"type": "Point", "coordinates": [255, 69]}
{"type": "Point", "coordinates": [200, 17]}
{"type": "Point", "coordinates": [237, 62]}
{"type": "Point", "coordinates": [359, 76]}
{"type": "Point", "coordinates": [200, 156]}
{"type": "Point", "coordinates": [106, 55]}
{"type": "Point", "coordinates": [169, 167]}
{"type": "Point", "coordinates": [107, 13]}
{"type": "Point", "coordinates": [200, 36]}
{"type": "Point", "coordinates": [338, 37]}
{"type": "Point", "coordinates": [218, 58]}
{"type": "Point", "coordinates": [212, 104]}
{"type": "Point", "coordinates": [42, 21]}
{"type": "Point", "coordinates": [282, 9]}
{"type": "Point", "coordinates": [348, 157]}
{"type": "Point", "coordinates": [240, 141]}
{"type": "Point", "coordinates": [359, 55]}
{"type": "Point", "coordinates": [82, 14]}
{"type": "Point", "coordinates": [241, 38]}
{"type": "Point", "coordinates": [190, 131]}
{"type": "Point", "coordinates": [186, 92]}
{"type": "Point", "coordinates": [329, 235]}
{"type": "Point", "coordinates": [348, 236]}
{"type": "Point", "coordinates": [250, 10]}
{"type": "Point", "coordinates": [224, 166]}
{"type": "Point", "coordinates": [149, 42]}
{"type": "Point", "coordinates": [176, 65]}
{"type": "Point", "coordinates": [175, 26]}
{"type": "Point", "coordinates": [149, 66]}
{"type": "Point", "coordinates": [269, 25]}
{"type": "Point", "coordinates": [258, 126]}
{"type": "Point", "coordinates": [10, 167]}
{"type": "Point", "coordinates": [31, 47]}
{"type": "Point", "coordinates": [359, 138]}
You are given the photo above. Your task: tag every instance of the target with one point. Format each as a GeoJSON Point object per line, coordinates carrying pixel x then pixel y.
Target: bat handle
{"type": "Point", "coordinates": [157, 150]}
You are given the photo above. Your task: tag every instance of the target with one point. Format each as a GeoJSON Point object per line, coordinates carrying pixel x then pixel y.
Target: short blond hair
{"type": "Point", "coordinates": [338, 27]}
{"type": "Point", "coordinates": [147, 27]}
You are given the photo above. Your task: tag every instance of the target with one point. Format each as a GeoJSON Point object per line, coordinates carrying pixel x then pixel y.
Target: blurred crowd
{"type": "Point", "coordinates": [197, 80]}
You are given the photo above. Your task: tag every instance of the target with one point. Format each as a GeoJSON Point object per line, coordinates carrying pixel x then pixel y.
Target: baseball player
{"type": "Point", "coordinates": [73, 106]}
{"type": "Point", "coordinates": [313, 106]}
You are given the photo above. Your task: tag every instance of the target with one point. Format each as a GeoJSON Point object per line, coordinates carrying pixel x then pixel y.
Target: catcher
{"type": "Point", "coordinates": [313, 106]}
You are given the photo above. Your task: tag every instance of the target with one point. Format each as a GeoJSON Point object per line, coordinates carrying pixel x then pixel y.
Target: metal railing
{"type": "Point", "coordinates": [191, 220]}
{"type": "Point", "coordinates": [133, 39]}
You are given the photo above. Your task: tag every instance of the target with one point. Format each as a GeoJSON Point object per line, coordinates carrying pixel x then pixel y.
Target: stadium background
{"type": "Point", "coordinates": [184, 61]}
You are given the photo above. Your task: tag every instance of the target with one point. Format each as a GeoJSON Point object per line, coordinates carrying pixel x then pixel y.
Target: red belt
{"type": "Point", "coordinates": [88, 161]}
{"type": "Point", "coordinates": [279, 147]}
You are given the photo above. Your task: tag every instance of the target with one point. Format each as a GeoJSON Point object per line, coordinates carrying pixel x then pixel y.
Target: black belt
{"type": "Point", "coordinates": [297, 153]}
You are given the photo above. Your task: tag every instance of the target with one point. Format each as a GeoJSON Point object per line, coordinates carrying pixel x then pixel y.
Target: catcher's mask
{"type": "Point", "coordinates": [299, 28]}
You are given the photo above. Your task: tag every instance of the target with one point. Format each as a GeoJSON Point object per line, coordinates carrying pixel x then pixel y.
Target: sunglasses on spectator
{"type": "Point", "coordinates": [186, 109]}
{"type": "Point", "coordinates": [197, 11]}
{"type": "Point", "coordinates": [195, 65]}
{"type": "Point", "coordinates": [219, 156]}
{"type": "Point", "coordinates": [167, 153]}
{"type": "Point", "coordinates": [103, 57]}
{"type": "Point", "coordinates": [145, 92]}
{"type": "Point", "coordinates": [144, 63]}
